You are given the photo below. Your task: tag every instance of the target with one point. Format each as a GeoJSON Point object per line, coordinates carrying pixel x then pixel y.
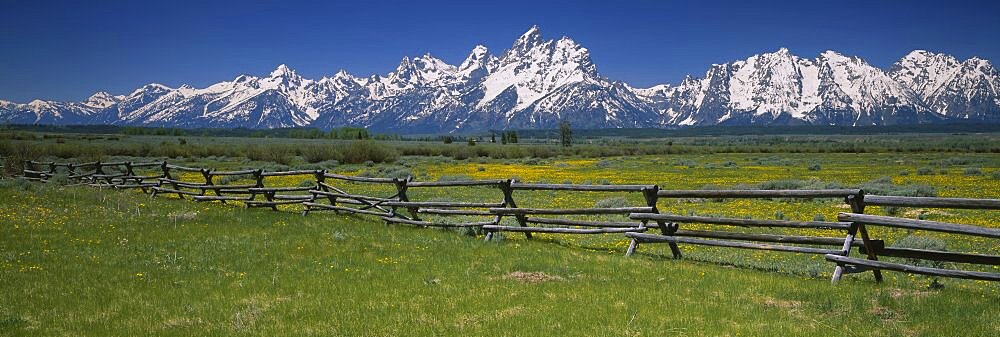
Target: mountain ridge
{"type": "Point", "coordinates": [537, 82]}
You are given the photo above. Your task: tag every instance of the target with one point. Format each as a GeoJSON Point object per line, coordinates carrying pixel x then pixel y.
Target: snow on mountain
{"type": "Point", "coordinates": [781, 88]}
{"type": "Point", "coordinates": [962, 90]}
{"type": "Point", "coordinates": [537, 82]}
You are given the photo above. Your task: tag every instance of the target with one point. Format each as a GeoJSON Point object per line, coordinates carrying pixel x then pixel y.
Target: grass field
{"type": "Point", "coordinates": [82, 261]}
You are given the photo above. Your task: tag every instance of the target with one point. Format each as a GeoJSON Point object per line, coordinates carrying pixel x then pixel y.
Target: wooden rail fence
{"type": "Point", "coordinates": [328, 191]}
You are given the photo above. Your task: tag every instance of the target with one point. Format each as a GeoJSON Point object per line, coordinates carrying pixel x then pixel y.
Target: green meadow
{"type": "Point", "coordinates": [78, 260]}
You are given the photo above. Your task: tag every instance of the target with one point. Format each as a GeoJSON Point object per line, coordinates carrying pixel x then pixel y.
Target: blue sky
{"type": "Point", "coordinates": [68, 50]}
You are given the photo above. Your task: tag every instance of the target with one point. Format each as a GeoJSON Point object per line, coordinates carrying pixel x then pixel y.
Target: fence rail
{"type": "Point", "coordinates": [250, 188]}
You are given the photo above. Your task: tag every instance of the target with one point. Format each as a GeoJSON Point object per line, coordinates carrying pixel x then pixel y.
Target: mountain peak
{"type": "Point", "coordinates": [529, 39]}
{"type": "Point", "coordinates": [282, 71]}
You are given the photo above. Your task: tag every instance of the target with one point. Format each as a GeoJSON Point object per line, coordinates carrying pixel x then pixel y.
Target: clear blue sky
{"type": "Point", "coordinates": [68, 50]}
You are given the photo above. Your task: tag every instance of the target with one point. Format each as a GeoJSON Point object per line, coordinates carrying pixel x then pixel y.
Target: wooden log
{"type": "Point", "coordinates": [455, 183]}
{"type": "Point", "coordinates": [648, 238]}
{"type": "Point", "coordinates": [582, 223]}
{"type": "Point", "coordinates": [289, 173]}
{"type": "Point", "coordinates": [445, 204]}
{"type": "Point", "coordinates": [128, 186]}
{"type": "Point", "coordinates": [559, 230]}
{"type": "Point", "coordinates": [360, 179]}
{"type": "Point", "coordinates": [292, 197]}
{"type": "Point", "coordinates": [888, 221]}
{"type": "Point", "coordinates": [236, 191]}
{"type": "Point", "coordinates": [255, 203]}
{"type": "Point", "coordinates": [348, 196]}
{"type": "Point", "coordinates": [884, 200]}
{"type": "Point", "coordinates": [224, 187]}
{"type": "Point", "coordinates": [827, 193]}
{"type": "Point", "coordinates": [611, 210]}
{"type": "Point", "coordinates": [882, 265]}
{"type": "Point", "coordinates": [578, 187]}
{"type": "Point", "coordinates": [796, 239]}
{"type": "Point", "coordinates": [453, 211]}
{"type": "Point", "coordinates": [936, 255]}
{"type": "Point", "coordinates": [231, 173]}
{"type": "Point", "coordinates": [219, 198]}
{"type": "Point", "coordinates": [281, 189]}
{"type": "Point", "coordinates": [183, 168]}
{"type": "Point", "coordinates": [740, 222]}
{"type": "Point", "coordinates": [37, 173]}
{"type": "Point", "coordinates": [173, 191]}
{"type": "Point", "coordinates": [436, 224]}
{"type": "Point", "coordinates": [345, 209]}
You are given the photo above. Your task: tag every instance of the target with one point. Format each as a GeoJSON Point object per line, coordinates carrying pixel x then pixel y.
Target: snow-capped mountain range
{"type": "Point", "coordinates": [538, 82]}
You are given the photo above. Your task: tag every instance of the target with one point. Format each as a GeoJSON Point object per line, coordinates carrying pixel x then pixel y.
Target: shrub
{"type": "Point", "coordinates": [359, 151]}
{"type": "Point", "coordinates": [819, 217]}
{"type": "Point", "coordinates": [454, 177]}
{"type": "Point", "coordinates": [995, 175]}
{"type": "Point", "coordinates": [884, 186]}
{"type": "Point", "coordinates": [973, 171]}
{"type": "Point", "coordinates": [814, 167]}
{"type": "Point", "coordinates": [925, 171]}
{"type": "Point", "coordinates": [318, 153]}
{"type": "Point", "coordinates": [613, 202]}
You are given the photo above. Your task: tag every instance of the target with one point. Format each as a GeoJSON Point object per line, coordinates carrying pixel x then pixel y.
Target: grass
{"type": "Point", "coordinates": [80, 261]}
{"type": "Point", "coordinates": [84, 262]}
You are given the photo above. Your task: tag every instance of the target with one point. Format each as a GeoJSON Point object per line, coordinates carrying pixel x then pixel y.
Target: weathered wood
{"type": "Point", "coordinates": [346, 209]}
{"type": "Point", "coordinates": [360, 179]}
{"type": "Point", "coordinates": [281, 189]}
{"type": "Point", "coordinates": [795, 239]}
{"type": "Point", "coordinates": [828, 193]}
{"type": "Point", "coordinates": [582, 223]}
{"type": "Point", "coordinates": [558, 230]}
{"type": "Point", "coordinates": [740, 222]}
{"type": "Point", "coordinates": [236, 190]}
{"type": "Point", "coordinates": [954, 273]}
{"type": "Point", "coordinates": [646, 238]}
{"type": "Point", "coordinates": [255, 203]}
{"type": "Point", "coordinates": [225, 187]}
{"type": "Point", "coordinates": [149, 164]}
{"type": "Point", "coordinates": [231, 173]}
{"type": "Point", "coordinates": [936, 255]}
{"type": "Point", "coordinates": [933, 202]}
{"type": "Point", "coordinates": [173, 191]}
{"type": "Point", "coordinates": [927, 225]}
{"type": "Point", "coordinates": [578, 187]}
{"type": "Point", "coordinates": [183, 168]}
{"type": "Point", "coordinates": [219, 198]}
{"type": "Point", "coordinates": [610, 210]}
{"type": "Point", "coordinates": [128, 186]}
{"type": "Point", "coordinates": [436, 224]}
{"type": "Point", "coordinates": [348, 196]}
{"type": "Point", "coordinates": [453, 211]}
{"type": "Point", "coordinates": [455, 183]}
{"type": "Point", "coordinates": [446, 204]}
{"type": "Point", "coordinates": [289, 173]}
{"type": "Point", "coordinates": [291, 197]}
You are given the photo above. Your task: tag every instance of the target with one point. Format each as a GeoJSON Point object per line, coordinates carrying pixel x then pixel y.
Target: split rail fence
{"type": "Point", "coordinates": [328, 191]}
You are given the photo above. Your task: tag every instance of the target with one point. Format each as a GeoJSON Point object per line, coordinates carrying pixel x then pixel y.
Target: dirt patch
{"type": "Point", "coordinates": [781, 304]}
{"type": "Point", "coordinates": [532, 276]}
{"type": "Point", "coordinates": [925, 212]}
{"type": "Point", "coordinates": [897, 293]}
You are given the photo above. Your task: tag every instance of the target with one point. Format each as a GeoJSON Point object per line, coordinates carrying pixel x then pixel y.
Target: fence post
{"type": "Point", "coordinates": [858, 206]}
{"type": "Point", "coordinates": [98, 169]}
{"type": "Point", "coordinates": [401, 187]}
{"type": "Point", "coordinates": [508, 195]}
{"type": "Point", "coordinates": [208, 182]}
